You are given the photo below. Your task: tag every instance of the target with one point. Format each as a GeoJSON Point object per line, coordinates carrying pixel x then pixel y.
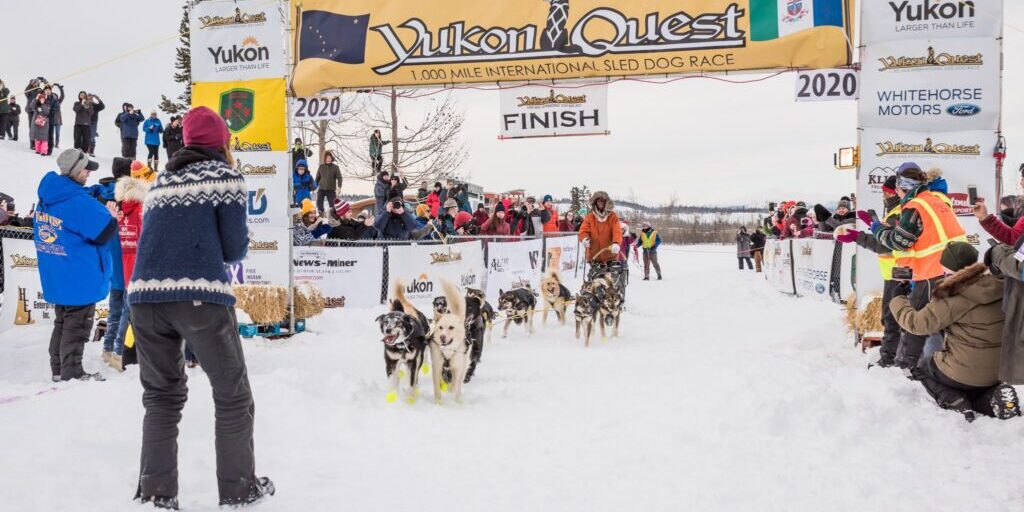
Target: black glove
{"type": "Point", "coordinates": [902, 288]}
{"type": "Point", "coordinates": [994, 269]}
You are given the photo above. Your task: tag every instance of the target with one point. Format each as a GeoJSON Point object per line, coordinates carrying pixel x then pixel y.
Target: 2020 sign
{"type": "Point", "coordinates": [827, 85]}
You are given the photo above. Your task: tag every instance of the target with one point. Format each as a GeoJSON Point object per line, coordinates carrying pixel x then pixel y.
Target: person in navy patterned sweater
{"type": "Point", "coordinates": [194, 224]}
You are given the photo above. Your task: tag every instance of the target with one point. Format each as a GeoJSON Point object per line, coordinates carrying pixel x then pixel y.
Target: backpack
{"type": "Point", "coordinates": [117, 121]}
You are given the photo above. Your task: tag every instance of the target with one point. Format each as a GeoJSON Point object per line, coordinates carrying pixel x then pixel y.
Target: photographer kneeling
{"type": "Point", "coordinates": [967, 307]}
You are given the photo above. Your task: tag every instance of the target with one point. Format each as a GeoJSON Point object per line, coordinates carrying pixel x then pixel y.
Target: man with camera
{"type": "Point", "coordinates": [395, 223]}
{"type": "Point", "coordinates": [927, 224]}
{"type": "Point", "coordinates": [128, 121]}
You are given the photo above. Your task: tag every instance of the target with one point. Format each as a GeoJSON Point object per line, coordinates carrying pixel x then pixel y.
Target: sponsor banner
{"type": "Point", "coordinates": [563, 255]}
{"type": "Point", "coordinates": [324, 107]}
{"type": "Point", "coordinates": [846, 270]}
{"type": "Point", "coordinates": [236, 40]}
{"type": "Point", "coordinates": [267, 259]}
{"type": "Point", "coordinates": [812, 266]}
{"type": "Point", "coordinates": [887, 20]}
{"type": "Point", "coordinates": [266, 180]}
{"type": "Point", "coordinates": [421, 268]}
{"type": "Point", "coordinates": [384, 43]}
{"type": "Point", "coordinates": [512, 265]}
{"type": "Point", "coordinates": [347, 276]}
{"type": "Point", "coordinates": [23, 303]}
{"type": "Point", "coordinates": [932, 85]}
{"type": "Point", "coordinates": [551, 111]}
{"type": "Point", "coordinates": [254, 111]}
{"type": "Point", "coordinates": [778, 265]}
{"type": "Point", "coordinates": [827, 85]}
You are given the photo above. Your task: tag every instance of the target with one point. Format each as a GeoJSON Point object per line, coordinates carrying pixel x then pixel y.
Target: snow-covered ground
{"type": "Point", "coordinates": [721, 395]}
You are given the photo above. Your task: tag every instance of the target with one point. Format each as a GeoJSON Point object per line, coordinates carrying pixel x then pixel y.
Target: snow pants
{"type": "Point", "coordinates": [746, 259]}
{"type": "Point", "coordinates": [912, 345]}
{"type": "Point", "coordinates": [651, 258]}
{"type": "Point", "coordinates": [12, 127]}
{"type": "Point", "coordinates": [758, 259]}
{"type": "Point", "coordinates": [327, 196]}
{"type": "Point", "coordinates": [113, 340]}
{"type": "Point", "coordinates": [129, 147]}
{"type": "Point", "coordinates": [83, 134]}
{"type": "Point", "coordinates": [71, 328]}
{"type": "Point", "coordinates": [4, 122]}
{"type": "Point", "coordinates": [890, 328]}
{"type": "Point", "coordinates": [212, 331]}
{"type": "Point", "coordinates": [950, 394]}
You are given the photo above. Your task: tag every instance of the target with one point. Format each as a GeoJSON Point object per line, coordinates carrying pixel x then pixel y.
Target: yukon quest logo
{"type": "Point", "coordinates": [262, 246]}
{"type": "Point", "coordinates": [599, 32]}
{"type": "Point", "coordinates": [19, 261]}
{"type": "Point", "coordinates": [928, 148]}
{"type": "Point", "coordinates": [932, 60]}
{"type": "Point", "coordinates": [239, 18]}
{"type": "Point", "coordinates": [254, 170]}
{"type": "Point", "coordinates": [963, 109]}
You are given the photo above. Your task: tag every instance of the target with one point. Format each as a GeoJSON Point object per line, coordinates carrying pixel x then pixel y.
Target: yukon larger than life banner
{"type": "Point", "coordinates": [381, 43]}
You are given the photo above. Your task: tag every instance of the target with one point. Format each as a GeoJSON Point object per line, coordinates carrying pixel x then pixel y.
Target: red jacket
{"type": "Point", "coordinates": [1001, 232]}
{"type": "Point", "coordinates": [480, 217]}
{"type": "Point", "coordinates": [433, 200]}
{"type": "Point", "coordinates": [495, 227]}
{"type": "Point", "coordinates": [131, 194]}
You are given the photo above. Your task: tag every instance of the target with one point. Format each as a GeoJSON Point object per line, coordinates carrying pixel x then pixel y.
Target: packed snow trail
{"type": "Point", "coordinates": [721, 395]}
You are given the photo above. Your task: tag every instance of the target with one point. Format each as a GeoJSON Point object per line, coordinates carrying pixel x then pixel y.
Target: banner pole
{"type": "Point", "coordinates": [290, 59]}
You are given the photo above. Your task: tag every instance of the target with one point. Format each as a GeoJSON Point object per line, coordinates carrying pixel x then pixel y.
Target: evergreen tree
{"type": "Point", "coordinates": [183, 65]}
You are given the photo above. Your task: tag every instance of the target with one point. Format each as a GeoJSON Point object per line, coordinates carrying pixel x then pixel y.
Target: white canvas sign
{"type": "Point", "coordinates": [563, 256]}
{"type": "Point", "coordinates": [549, 111]}
{"type": "Point", "coordinates": [420, 270]}
{"type": "Point", "coordinates": [237, 40]}
{"type": "Point", "coordinates": [267, 259]}
{"type": "Point", "coordinates": [512, 265]}
{"type": "Point", "coordinates": [926, 85]}
{"type": "Point", "coordinates": [347, 276]}
{"type": "Point", "coordinates": [267, 177]}
{"type": "Point", "coordinates": [887, 20]}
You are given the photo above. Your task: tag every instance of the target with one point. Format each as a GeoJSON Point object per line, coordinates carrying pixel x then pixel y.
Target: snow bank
{"type": "Point", "coordinates": [721, 395]}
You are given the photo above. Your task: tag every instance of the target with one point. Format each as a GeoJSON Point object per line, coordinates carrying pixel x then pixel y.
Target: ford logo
{"type": "Point", "coordinates": [963, 109]}
{"type": "Point", "coordinates": [820, 288]}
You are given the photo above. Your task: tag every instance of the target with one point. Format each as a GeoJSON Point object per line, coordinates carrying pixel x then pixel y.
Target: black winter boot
{"type": "Point", "coordinates": [261, 488]}
{"type": "Point", "coordinates": [161, 502]}
{"type": "Point", "coordinates": [1004, 402]}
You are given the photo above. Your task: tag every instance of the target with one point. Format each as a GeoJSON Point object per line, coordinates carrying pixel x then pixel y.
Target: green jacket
{"type": "Point", "coordinates": [5, 107]}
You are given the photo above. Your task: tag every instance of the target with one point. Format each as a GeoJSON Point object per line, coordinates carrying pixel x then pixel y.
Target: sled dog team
{"type": "Point", "coordinates": [455, 337]}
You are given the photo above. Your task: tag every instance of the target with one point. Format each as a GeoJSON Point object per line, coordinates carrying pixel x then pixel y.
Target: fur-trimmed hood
{"type": "Point", "coordinates": [973, 283]}
{"type": "Point", "coordinates": [131, 189]}
{"type": "Point", "coordinates": [608, 207]}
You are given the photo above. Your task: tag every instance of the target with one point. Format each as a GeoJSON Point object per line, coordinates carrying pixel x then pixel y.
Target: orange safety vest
{"type": "Point", "coordinates": [886, 262]}
{"type": "Point", "coordinates": [940, 228]}
{"type": "Point", "coordinates": [552, 224]}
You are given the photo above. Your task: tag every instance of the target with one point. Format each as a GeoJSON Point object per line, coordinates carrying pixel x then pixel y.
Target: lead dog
{"type": "Point", "coordinates": [404, 331]}
{"type": "Point", "coordinates": [449, 348]}
{"type": "Point", "coordinates": [518, 306]}
{"type": "Point", "coordinates": [556, 296]}
{"type": "Point", "coordinates": [610, 304]}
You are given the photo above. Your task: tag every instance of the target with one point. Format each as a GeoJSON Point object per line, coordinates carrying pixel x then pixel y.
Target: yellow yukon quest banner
{"type": "Point", "coordinates": [378, 43]}
{"type": "Point", "coordinates": [254, 110]}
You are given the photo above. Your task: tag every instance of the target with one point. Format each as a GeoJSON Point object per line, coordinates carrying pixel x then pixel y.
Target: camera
{"type": "Point", "coordinates": [397, 204]}
{"type": "Point", "coordinates": [903, 274]}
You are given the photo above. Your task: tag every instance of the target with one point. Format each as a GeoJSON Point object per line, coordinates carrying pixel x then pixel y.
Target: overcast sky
{"type": "Point", "coordinates": [702, 140]}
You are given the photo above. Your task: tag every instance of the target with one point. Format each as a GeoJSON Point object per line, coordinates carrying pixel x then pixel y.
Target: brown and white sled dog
{"type": "Point", "coordinates": [556, 297]}
{"type": "Point", "coordinates": [449, 349]}
{"type": "Point", "coordinates": [404, 333]}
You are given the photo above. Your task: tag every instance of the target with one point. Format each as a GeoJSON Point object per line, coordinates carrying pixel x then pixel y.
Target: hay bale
{"type": "Point", "coordinates": [870, 318]}
{"type": "Point", "coordinates": [309, 302]}
{"type": "Point", "coordinates": [263, 303]}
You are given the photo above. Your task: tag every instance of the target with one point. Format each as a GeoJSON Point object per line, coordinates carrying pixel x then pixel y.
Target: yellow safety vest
{"type": "Point", "coordinates": [886, 262]}
{"type": "Point", "coordinates": [647, 241]}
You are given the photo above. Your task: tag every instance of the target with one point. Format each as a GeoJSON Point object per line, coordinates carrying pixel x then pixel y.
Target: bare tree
{"type": "Point", "coordinates": [429, 147]}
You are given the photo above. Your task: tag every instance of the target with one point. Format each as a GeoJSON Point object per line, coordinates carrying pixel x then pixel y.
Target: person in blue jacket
{"type": "Point", "coordinates": [113, 340]}
{"type": "Point", "coordinates": [395, 222]}
{"type": "Point", "coordinates": [303, 183]}
{"type": "Point", "coordinates": [153, 128]}
{"type": "Point", "coordinates": [72, 231]}
{"type": "Point", "coordinates": [128, 121]}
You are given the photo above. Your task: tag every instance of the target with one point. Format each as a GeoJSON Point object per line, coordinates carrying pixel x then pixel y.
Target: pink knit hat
{"type": "Point", "coordinates": [204, 128]}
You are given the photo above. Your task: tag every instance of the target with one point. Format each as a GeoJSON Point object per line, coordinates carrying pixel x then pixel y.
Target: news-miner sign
{"type": "Point", "coordinates": [551, 111]}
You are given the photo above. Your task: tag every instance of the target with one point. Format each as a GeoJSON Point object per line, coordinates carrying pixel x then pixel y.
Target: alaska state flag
{"type": "Point", "coordinates": [772, 19]}
{"type": "Point", "coordinates": [337, 37]}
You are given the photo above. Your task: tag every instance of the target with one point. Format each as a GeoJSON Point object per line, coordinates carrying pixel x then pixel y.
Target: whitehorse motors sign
{"type": "Point", "coordinates": [552, 111]}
